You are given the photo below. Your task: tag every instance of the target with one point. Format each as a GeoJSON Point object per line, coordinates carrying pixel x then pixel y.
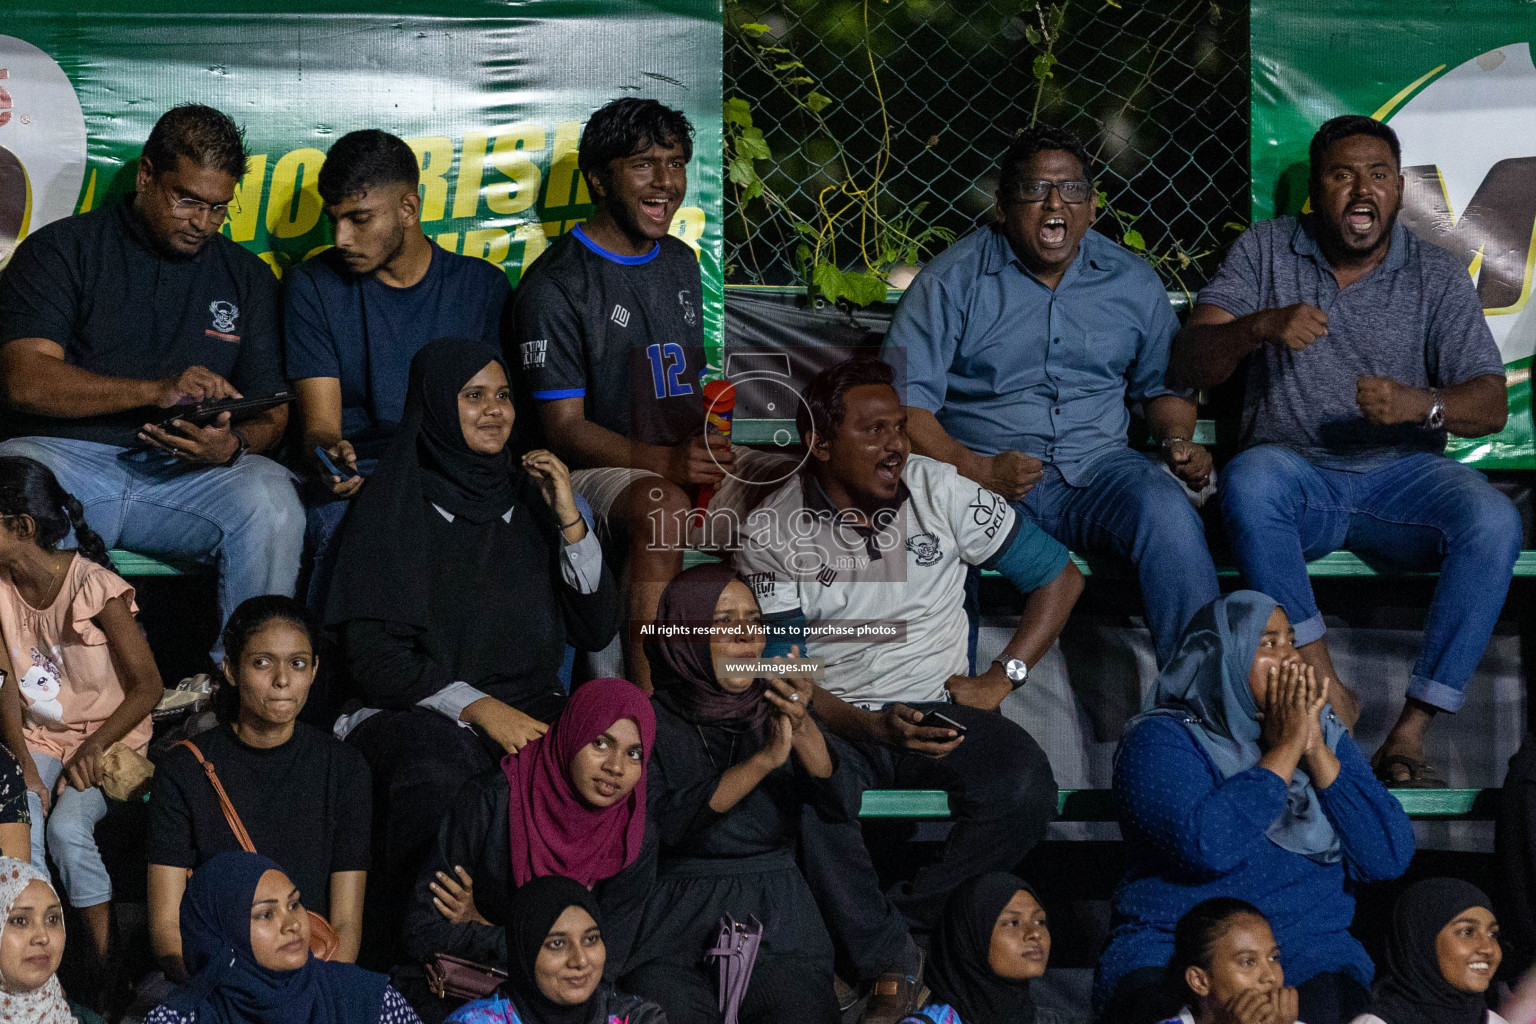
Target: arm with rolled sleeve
{"type": "Point", "coordinates": [393, 674]}
{"type": "Point", "coordinates": [589, 598]}
{"type": "Point", "coordinates": [925, 334]}
{"type": "Point", "coordinates": [1374, 831]}
{"type": "Point", "coordinates": [1216, 338]}
{"type": "Point", "coordinates": [1146, 378]}
{"type": "Point", "coordinates": [1170, 798]}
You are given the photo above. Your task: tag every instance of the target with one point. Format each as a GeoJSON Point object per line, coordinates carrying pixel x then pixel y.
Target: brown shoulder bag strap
{"type": "Point", "coordinates": [235, 825]}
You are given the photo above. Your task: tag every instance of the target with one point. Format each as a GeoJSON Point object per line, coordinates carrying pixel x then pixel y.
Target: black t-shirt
{"type": "Point", "coordinates": [624, 332]}
{"type": "Point", "coordinates": [364, 332]}
{"type": "Point", "coordinates": [307, 804]}
{"type": "Point", "coordinates": [95, 285]}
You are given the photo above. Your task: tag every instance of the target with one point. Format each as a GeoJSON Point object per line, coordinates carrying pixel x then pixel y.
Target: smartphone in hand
{"type": "Point", "coordinates": [331, 467]}
{"type": "Point", "coordinates": [940, 718]}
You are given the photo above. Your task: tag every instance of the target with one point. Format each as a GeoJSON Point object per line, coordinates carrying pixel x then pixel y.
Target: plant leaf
{"type": "Point", "coordinates": [1043, 65]}
{"type": "Point", "coordinates": [1032, 34]}
{"type": "Point", "coordinates": [754, 29]}
{"type": "Point", "coordinates": [863, 289]}
{"type": "Point", "coordinates": [1133, 240]}
{"type": "Point", "coordinates": [752, 146]}
{"type": "Point", "coordinates": [740, 172]}
{"type": "Point", "coordinates": [828, 280]}
{"type": "Point", "coordinates": [817, 102]}
{"type": "Point", "coordinates": [737, 111]}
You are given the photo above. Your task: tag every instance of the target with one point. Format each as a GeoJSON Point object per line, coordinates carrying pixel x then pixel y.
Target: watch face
{"type": "Point", "coordinates": [1016, 670]}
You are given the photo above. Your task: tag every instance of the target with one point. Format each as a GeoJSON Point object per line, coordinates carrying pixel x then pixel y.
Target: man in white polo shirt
{"type": "Point", "coordinates": [861, 560]}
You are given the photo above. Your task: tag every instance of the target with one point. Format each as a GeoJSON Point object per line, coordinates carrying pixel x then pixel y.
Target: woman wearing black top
{"type": "Point", "coordinates": [736, 761]}
{"type": "Point", "coordinates": [302, 795]}
{"type": "Point", "coordinates": [462, 574]}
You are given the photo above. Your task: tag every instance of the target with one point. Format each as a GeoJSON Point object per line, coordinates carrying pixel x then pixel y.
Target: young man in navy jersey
{"type": "Point", "coordinates": [608, 332]}
{"type": "Point", "coordinates": [356, 314]}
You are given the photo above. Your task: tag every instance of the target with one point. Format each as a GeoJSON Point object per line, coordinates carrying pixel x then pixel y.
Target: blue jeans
{"type": "Point", "coordinates": [1133, 509]}
{"type": "Point", "coordinates": [246, 518]}
{"type": "Point", "coordinates": [323, 517]}
{"type": "Point", "coordinates": [1420, 512]}
{"type": "Point", "coordinates": [70, 834]}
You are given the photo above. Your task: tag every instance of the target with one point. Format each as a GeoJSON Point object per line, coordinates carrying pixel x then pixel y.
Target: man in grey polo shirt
{"type": "Point", "coordinates": [1364, 346]}
{"type": "Point", "coordinates": [1023, 345]}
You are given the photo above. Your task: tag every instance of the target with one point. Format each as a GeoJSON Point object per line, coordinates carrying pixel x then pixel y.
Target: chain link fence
{"type": "Point", "coordinates": [1158, 89]}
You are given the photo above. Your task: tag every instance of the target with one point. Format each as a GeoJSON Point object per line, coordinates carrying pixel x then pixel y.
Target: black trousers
{"type": "Point", "coordinates": [1002, 796]}
{"type": "Point", "coordinates": [418, 760]}
{"type": "Point", "coordinates": [783, 990]}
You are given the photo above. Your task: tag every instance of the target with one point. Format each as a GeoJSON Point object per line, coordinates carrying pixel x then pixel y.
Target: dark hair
{"type": "Point", "coordinates": [627, 126]}
{"type": "Point", "coordinates": [1341, 128]}
{"type": "Point", "coordinates": [29, 488]}
{"type": "Point", "coordinates": [1038, 138]}
{"type": "Point", "coordinates": [366, 159]}
{"type": "Point", "coordinates": [1195, 938]}
{"type": "Point", "coordinates": [821, 403]}
{"type": "Point", "coordinates": [252, 616]}
{"type": "Point", "coordinates": [207, 137]}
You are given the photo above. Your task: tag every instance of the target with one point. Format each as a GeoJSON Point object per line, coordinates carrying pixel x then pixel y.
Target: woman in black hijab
{"type": "Point", "coordinates": [462, 575]}
{"type": "Point", "coordinates": [737, 760]}
{"type": "Point", "coordinates": [555, 942]}
{"type": "Point", "coordinates": [1442, 955]}
{"type": "Point", "coordinates": [993, 941]}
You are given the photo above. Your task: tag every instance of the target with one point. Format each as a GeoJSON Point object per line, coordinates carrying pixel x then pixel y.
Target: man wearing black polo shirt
{"type": "Point", "coordinates": [608, 332]}
{"type": "Point", "coordinates": [110, 318]}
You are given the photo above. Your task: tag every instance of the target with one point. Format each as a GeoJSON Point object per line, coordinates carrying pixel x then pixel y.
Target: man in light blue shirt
{"type": "Point", "coordinates": [1023, 345]}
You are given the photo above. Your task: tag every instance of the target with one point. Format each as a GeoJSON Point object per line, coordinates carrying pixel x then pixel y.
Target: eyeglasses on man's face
{"type": "Point", "coordinates": [1070, 191]}
{"type": "Point", "coordinates": [185, 207]}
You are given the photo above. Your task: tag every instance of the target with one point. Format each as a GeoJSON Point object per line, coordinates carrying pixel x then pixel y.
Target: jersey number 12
{"type": "Point", "coordinates": [667, 361]}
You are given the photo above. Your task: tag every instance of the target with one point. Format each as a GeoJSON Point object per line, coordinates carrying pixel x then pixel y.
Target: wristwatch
{"type": "Point", "coordinates": [1015, 669]}
{"type": "Point", "coordinates": [240, 451]}
{"type": "Point", "coordinates": [1436, 418]}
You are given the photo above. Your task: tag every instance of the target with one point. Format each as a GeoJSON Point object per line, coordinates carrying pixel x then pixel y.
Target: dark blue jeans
{"type": "Point", "coordinates": [1133, 509]}
{"type": "Point", "coordinates": [1419, 512]}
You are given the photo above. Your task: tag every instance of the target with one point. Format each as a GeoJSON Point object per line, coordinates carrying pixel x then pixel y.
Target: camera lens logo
{"type": "Point", "coordinates": [42, 143]}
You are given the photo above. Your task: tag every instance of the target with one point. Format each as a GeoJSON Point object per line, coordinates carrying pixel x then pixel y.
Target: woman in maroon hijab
{"type": "Point", "coordinates": [738, 758]}
{"type": "Point", "coordinates": [571, 803]}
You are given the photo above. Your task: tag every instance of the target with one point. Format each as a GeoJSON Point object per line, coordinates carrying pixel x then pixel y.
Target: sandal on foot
{"type": "Point", "coordinates": [1421, 774]}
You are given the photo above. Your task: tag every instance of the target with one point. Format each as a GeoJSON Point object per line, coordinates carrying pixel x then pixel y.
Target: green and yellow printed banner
{"type": "Point", "coordinates": [1457, 83]}
{"type": "Point", "coordinates": [491, 95]}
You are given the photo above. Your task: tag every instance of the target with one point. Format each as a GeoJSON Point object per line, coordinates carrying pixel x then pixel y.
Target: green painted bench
{"type": "Point", "coordinates": [1099, 805]}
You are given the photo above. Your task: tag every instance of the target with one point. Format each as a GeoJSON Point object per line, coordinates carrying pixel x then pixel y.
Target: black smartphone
{"type": "Point", "coordinates": [930, 717]}
{"type": "Point", "coordinates": [331, 467]}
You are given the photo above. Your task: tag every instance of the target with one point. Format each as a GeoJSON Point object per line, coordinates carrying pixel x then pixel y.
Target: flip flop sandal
{"type": "Point", "coordinates": [1421, 774]}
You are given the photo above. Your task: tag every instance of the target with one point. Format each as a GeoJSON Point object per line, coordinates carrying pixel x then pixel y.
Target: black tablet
{"type": "Point", "coordinates": [203, 413]}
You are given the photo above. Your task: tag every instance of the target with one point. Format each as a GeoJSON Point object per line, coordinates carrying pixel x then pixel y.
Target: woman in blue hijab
{"type": "Point", "coordinates": [1237, 780]}
{"type": "Point", "coordinates": [245, 941]}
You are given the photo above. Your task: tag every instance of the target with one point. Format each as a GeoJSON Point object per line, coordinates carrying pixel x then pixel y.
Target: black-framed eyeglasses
{"type": "Point", "coordinates": [1073, 192]}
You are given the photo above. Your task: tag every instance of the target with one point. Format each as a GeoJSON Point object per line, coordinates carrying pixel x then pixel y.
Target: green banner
{"type": "Point", "coordinates": [1456, 81]}
{"type": "Point", "coordinates": [491, 96]}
